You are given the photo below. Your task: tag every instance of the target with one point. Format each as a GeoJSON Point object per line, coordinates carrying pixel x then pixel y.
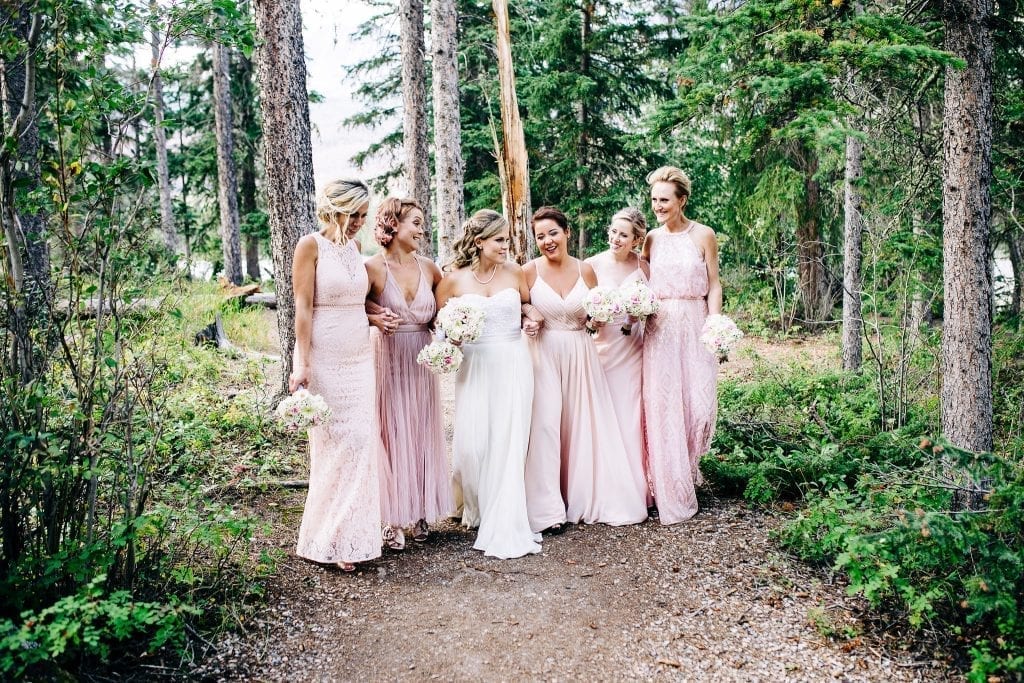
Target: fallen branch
{"type": "Point", "coordinates": [254, 485]}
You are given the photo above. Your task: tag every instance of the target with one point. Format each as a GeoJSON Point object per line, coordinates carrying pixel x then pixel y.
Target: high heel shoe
{"type": "Point", "coordinates": [393, 537]}
{"type": "Point", "coordinates": [421, 531]}
{"type": "Point", "coordinates": [345, 566]}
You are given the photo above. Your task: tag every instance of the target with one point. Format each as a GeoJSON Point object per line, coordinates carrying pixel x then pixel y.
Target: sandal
{"type": "Point", "coordinates": [393, 537]}
{"type": "Point", "coordinates": [556, 529]}
{"type": "Point", "coordinates": [421, 531]}
{"type": "Point", "coordinates": [345, 566]}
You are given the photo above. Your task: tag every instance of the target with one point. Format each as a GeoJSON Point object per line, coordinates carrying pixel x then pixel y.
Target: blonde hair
{"type": "Point", "coordinates": [671, 174]}
{"type": "Point", "coordinates": [636, 220]}
{"type": "Point", "coordinates": [343, 196]}
{"type": "Point", "coordinates": [389, 214]}
{"type": "Point", "coordinates": [482, 225]}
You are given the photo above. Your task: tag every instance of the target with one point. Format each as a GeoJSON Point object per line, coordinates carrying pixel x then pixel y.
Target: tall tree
{"type": "Point", "coordinates": [227, 194]}
{"type": "Point", "coordinates": [448, 165]}
{"type": "Point", "coordinates": [287, 152]}
{"type": "Point", "coordinates": [414, 100]}
{"type": "Point", "coordinates": [253, 220]}
{"type": "Point", "coordinates": [966, 217]}
{"type": "Point", "coordinates": [163, 174]}
{"type": "Point", "coordinates": [853, 234]}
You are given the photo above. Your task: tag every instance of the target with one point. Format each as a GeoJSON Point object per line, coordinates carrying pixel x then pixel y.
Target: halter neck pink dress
{"type": "Point", "coordinates": [341, 518]}
{"type": "Point", "coordinates": [417, 481]}
{"type": "Point", "coordinates": [679, 376]}
{"type": "Point", "coordinates": [577, 468]}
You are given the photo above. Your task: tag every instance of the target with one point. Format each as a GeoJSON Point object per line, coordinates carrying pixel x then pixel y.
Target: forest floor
{"type": "Point", "coordinates": [712, 599]}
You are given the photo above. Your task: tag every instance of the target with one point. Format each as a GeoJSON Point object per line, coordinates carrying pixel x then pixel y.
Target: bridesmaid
{"type": "Point", "coordinates": [417, 489]}
{"type": "Point", "coordinates": [577, 468]}
{"type": "Point", "coordinates": [493, 391]}
{"type": "Point", "coordinates": [622, 355]}
{"type": "Point", "coordinates": [680, 375]}
{"type": "Point", "coordinates": [333, 358]}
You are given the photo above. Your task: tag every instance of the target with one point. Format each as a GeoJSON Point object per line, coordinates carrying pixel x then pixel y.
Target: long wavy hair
{"type": "Point", "coordinates": [343, 197]}
{"type": "Point", "coordinates": [390, 213]}
{"type": "Point", "coordinates": [482, 225]}
{"type": "Point", "coordinates": [636, 219]}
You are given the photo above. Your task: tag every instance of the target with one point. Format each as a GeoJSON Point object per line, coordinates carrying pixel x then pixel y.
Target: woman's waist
{"type": "Point", "coordinates": [339, 306]}
{"type": "Point", "coordinates": [499, 336]}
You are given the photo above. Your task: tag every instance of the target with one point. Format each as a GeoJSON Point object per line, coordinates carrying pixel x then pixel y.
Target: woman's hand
{"type": "Point", "coordinates": [298, 378]}
{"type": "Point", "coordinates": [386, 320]}
{"type": "Point", "coordinates": [532, 327]}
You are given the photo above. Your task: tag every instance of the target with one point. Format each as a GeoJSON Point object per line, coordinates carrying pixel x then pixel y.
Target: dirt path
{"type": "Point", "coordinates": [708, 600]}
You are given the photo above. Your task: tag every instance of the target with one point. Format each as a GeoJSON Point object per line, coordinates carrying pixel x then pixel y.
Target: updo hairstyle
{"type": "Point", "coordinates": [482, 225]}
{"type": "Point", "coordinates": [671, 174]}
{"type": "Point", "coordinates": [636, 220]}
{"type": "Point", "coordinates": [343, 196]}
{"type": "Point", "coordinates": [389, 214]}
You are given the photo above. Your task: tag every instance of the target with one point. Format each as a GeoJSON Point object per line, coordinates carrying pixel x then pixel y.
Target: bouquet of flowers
{"type": "Point", "coordinates": [719, 334]}
{"type": "Point", "coordinates": [440, 357]}
{"type": "Point", "coordinates": [603, 305]}
{"type": "Point", "coordinates": [639, 301]}
{"type": "Point", "coordinates": [460, 321]}
{"type": "Point", "coordinates": [302, 410]}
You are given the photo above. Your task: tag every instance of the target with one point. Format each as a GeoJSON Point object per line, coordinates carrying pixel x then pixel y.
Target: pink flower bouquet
{"type": "Point", "coordinates": [719, 335]}
{"type": "Point", "coordinates": [602, 305]}
{"type": "Point", "coordinates": [440, 357]}
{"type": "Point", "coordinates": [461, 322]}
{"type": "Point", "coordinates": [302, 410]}
{"type": "Point", "coordinates": [639, 301]}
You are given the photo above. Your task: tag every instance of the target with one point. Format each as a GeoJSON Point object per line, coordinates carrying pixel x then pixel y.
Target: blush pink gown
{"type": "Point", "coordinates": [679, 376]}
{"type": "Point", "coordinates": [577, 468]}
{"type": "Point", "coordinates": [341, 518]}
{"type": "Point", "coordinates": [621, 358]}
{"type": "Point", "coordinates": [417, 480]}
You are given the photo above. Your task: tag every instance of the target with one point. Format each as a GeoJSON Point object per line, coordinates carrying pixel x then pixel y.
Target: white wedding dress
{"type": "Point", "coordinates": [493, 405]}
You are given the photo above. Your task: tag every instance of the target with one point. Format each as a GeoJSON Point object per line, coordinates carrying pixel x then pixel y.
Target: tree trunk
{"type": "Point", "coordinates": [966, 215]}
{"type": "Point", "coordinates": [163, 173]}
{"type": "Point", "coordinates": [817, 303]}
{"type": "Point", "coordinates": [227, 194]}
{"type": "Point", "coordinates": [1015, 242]}
{"type": "Point", "coordinates": [247, 172]}
{"type": "Point", "coordinates": [919, 303]}
{"type": "Point", "coordinates": [287, 152]}
{"type": "Point", "coordinates": [449, 168]}
{"type": "Point", "coordinates": [414, 127]}
{"type": "Point", "coordinates": [515, 176]}
{"type": "Point", "coordinates": [853, 232]}
{"type": "Point", "coordinates": [583, 162]}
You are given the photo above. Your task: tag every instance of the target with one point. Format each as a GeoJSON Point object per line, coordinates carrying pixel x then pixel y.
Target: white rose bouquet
{"type": "Point", "coordinates": [461, 322]}
{"type": "Point", "coordinates": [639, 301]}
{"type": "Point", "coordinates": [440, 357]}
{"type": "Point", "coordinates": [603, 305]}
{"type": "Point", "coordinates": [719, 334]}
{"type": "Point", "coordinates": [302, 410]}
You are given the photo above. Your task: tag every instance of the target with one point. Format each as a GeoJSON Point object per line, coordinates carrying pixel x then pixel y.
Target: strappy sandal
{"type": "Point", "coordinates": [556, 529]}
{"type": "Point", "coordinates": [345, 566]}
{"type": "Point", "coordinates": [393, 537]}
{"type": "Point", "coordinates": [421, 531]}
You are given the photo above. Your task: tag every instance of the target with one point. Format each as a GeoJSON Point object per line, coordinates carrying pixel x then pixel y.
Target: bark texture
{"type": "Point", "coordinates": [414, 124]}
{"type": "Point", "coordinates": [853, 233]}
{"type": "Point", "coordinates": [227, 184]}
{"type": "Point", "coordinates": [966, 216]}
{"type": "Point", "coordinates": [449, 167]}
{"type": "Point", "coordinates": [515, 171]}
{"type": "Point", "coordinates": [287, 152]}
{"type": "Point", "coordinates": [163, 174]}
{"type": "Point", "coordinates": [247, 169]}
{"type": "Point", "coordinates": [582, 113]}
{"type": "Point", "coordinates": [814, 294]}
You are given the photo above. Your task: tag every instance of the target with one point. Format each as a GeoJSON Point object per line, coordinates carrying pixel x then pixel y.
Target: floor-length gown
{"type": "Point", "coordinates": [341, 518]}
{"type": "Point", "coordinates": [679, 376]}
{"type": "Point", "coordinates": [578, 468]}
{"type": "Point", "coordinates": [417, 484]}
{"type": "Point", "coordinates": [622, 360]}
{"type": "Point", "coordinates": [493, 398]}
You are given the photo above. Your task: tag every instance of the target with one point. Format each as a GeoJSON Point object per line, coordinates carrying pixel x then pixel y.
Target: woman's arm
{"type": "Point", "coordinates": [589, 276]}
{"type": "Point", "coordinates": [714, 283]}
{"type": "Point", "coordinates": [532, 319]}
{"type": "Point", "coordinates": [304, 284]}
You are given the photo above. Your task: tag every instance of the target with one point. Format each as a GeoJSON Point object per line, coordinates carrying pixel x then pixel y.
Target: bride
{"type": "Point", "coordinates": [494, 389]}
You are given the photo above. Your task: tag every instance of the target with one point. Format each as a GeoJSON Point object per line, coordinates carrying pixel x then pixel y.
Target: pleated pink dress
{"type": "Point", "coordinates": [341, 518]}
{"type": "Point", "coordinates": [417, 479]}
{"type": "Point", "coordinates": [621, 359]}
{"type": "Point", "coordinates": [577, 467]}
{"type": "Point", "coordinates": [679, 376]}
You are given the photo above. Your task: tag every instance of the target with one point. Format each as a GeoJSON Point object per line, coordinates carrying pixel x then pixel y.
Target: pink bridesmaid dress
{"type": "Point", "coordinates": [679, 376]}
{"type": "Point", "coordinates": [417, 480]}
{"type": "Point", "coordinates": [341, 518]}
{"type": "Point", "coordinates": [621, 359]}
{"type": "Point", "coordinates": [577, 467]}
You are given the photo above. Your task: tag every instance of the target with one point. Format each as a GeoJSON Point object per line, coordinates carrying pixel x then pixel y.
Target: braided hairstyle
{"type": "Point", "coordinates": [389, 214]}
{"type": "Point", "coordinates": [343, 197]}
{"type": "Point", "coordinates": [482, 225]}
{"type": "Point", "coordinates": [636, 219]}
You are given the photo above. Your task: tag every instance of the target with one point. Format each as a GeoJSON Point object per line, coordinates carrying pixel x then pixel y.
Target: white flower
{"type": "Point", "coordinates": [602, 304]}
{"type": "Point", "coordinates": [719, 334]}
{"type": "Point", "coordinates": [440, 357]}
{"type": "Point", "coordinates": [302, 410]}
{"type": "Point", "coordinates": [461, 321]}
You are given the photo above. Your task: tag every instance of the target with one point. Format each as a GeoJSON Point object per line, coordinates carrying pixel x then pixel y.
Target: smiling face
{"type": "Point", "coordinates": [410, 229]}
{"type": "Point", "coordinates": [552, 240]}
{"type": "Point", "coordinates": [621, 236]}
{"type": "Point", "coordinates": [494, 249]}
{"type": "Point", "coordinates": [355, 220]}
{"type": "Point", "coordinates": [667, 207]}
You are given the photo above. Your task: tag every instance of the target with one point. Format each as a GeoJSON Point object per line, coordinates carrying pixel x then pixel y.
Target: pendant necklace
{"type": "Point", "coordinates": [484, 282]}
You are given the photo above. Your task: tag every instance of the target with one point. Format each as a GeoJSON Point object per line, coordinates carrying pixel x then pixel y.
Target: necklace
{"type": "Point", "coordinates": [484, 282]}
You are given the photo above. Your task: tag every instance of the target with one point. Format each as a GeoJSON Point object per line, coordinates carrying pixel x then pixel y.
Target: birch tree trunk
{"type": "Point", "coordinates": [163, 173]}
{"type": "Point", "coordinates": [287, 152]}
{"type": "Point", "coordinates": [966, 217]}
{"type": "Point", "coordinates": [414, 125]}
{"type": "Point", "coordinates": [853, 234]}
{"type": "Point", "coordinates": [449, 168]}
{"type": "Point", "coordinates": [515, 175]}
{"type": "Point", "coordinates": [227, 193]}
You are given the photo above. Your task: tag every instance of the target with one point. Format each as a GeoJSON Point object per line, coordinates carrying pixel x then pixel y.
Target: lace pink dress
{"type": "Point", "coordinates": [417, 484]}
{"type": "Point", "coordinates": [577, 468]}
{"type": "Point", "coordinates": [341, 518]}
{"type": "Point", "coordinates": [679, 376]}
{"type": "Point", "coordinates": [621, 358]}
